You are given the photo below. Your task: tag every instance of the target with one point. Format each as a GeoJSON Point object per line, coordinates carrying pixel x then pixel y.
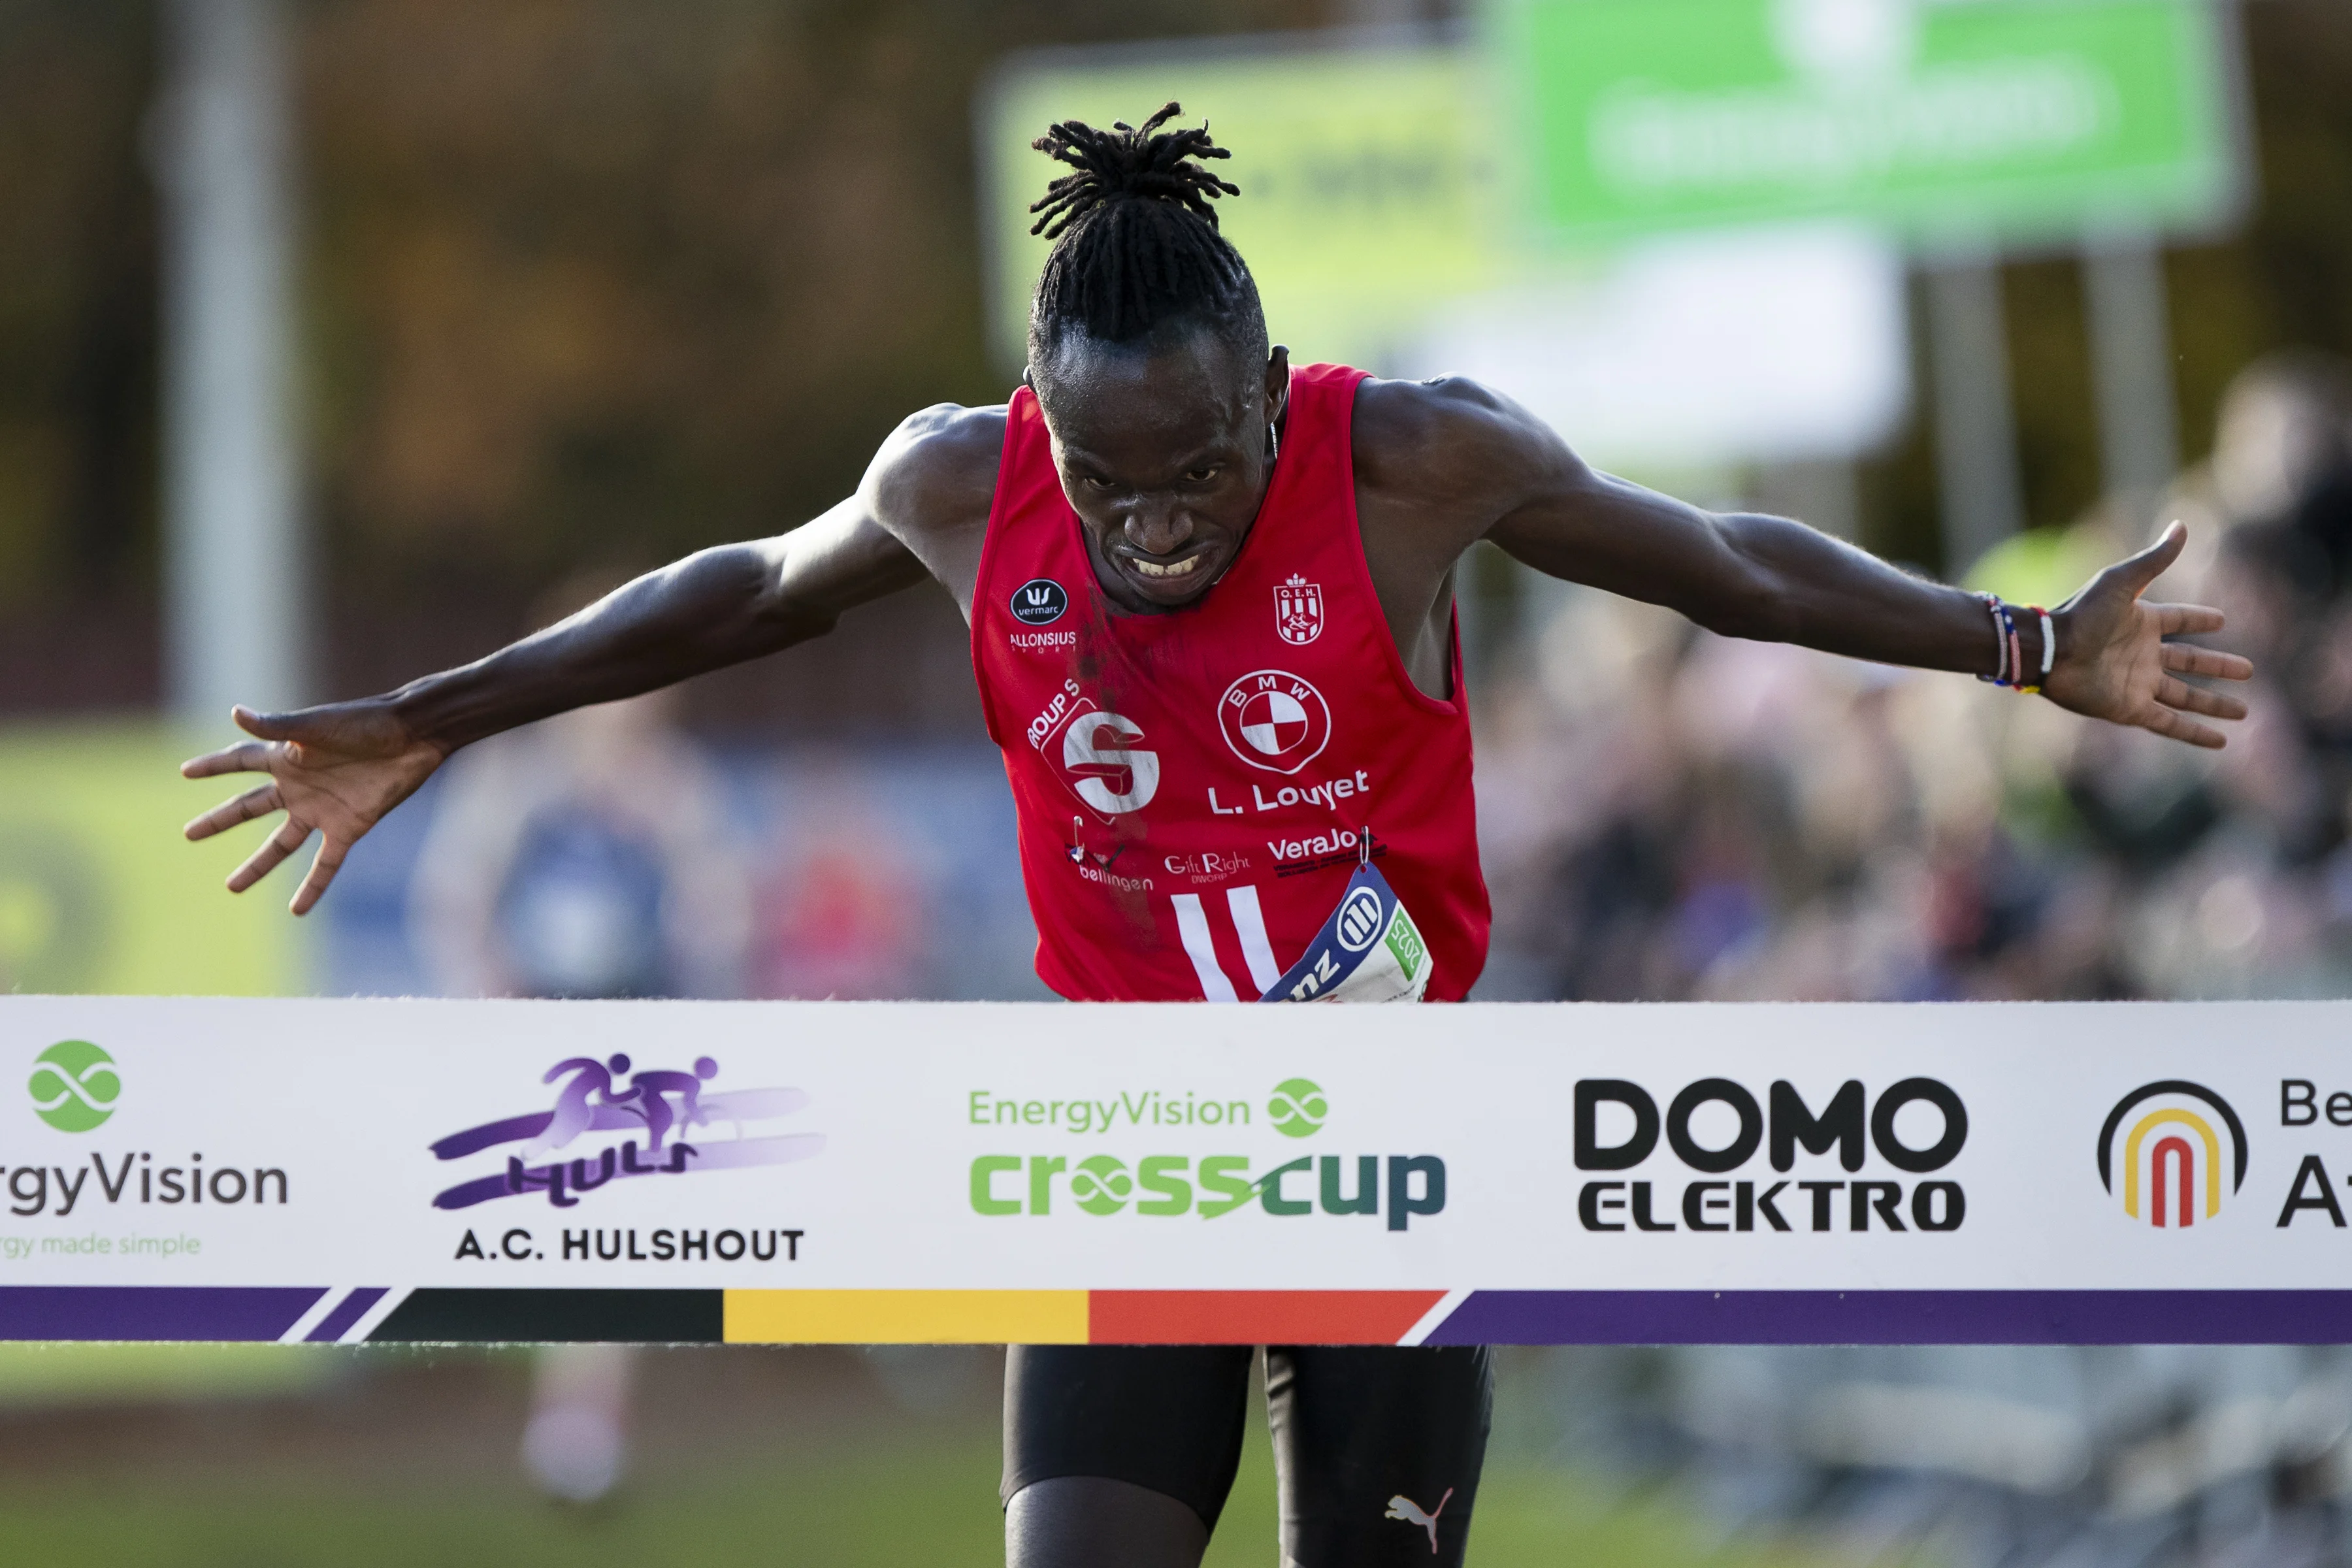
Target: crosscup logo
{"type": "Point", "coordinates": [1275, 719]}
{"type": "Point", "coordinates": [1039, 601]}
{"type": "Point", "coordinates": [2173, 1139]}
{"type": "Point", "coordinates": [1403, 1187]}
{"type": "Point", "coordinates": [74, 1086]}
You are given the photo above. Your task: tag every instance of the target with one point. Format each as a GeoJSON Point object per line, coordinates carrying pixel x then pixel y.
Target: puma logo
{"type": "Point", "coordinates": [1404, 1508]}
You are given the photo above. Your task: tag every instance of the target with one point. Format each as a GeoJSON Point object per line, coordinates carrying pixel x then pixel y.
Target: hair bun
{"type": "Point", "coordinates": [1126, 162]}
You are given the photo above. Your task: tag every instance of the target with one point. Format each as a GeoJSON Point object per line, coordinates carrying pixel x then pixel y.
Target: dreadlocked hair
{"type": "Point", "coordinates": [1136, 242]}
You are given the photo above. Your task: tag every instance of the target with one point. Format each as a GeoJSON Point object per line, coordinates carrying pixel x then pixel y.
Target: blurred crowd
{"type": "Point", "coordinates": [1669, 815]}
{"type": "Point", "coordinates": [2113, 1456]}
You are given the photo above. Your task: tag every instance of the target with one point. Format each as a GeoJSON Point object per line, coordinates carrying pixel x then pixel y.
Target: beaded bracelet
{"type": "Point", "coordinates": [1999, 676]}
{"type": "Point", "coordinates": [2008, 654]}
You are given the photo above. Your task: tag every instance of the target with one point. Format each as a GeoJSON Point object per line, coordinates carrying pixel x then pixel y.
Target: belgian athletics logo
{"type": "Point", "coordinates": [74, 1086]}
{"type": "Point", "coordinates": [2170, 1138]}
{"type": "Point", "coordinates": [1275, 719]}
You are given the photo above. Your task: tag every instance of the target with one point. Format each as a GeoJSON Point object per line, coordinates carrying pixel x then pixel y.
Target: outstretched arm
{"type": "Point", "coordinates": [337, 769]}
{"type": "Point", "coordinates": [1749, 575]}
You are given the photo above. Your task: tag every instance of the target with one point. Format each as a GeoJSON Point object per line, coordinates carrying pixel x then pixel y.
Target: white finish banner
{"type": "Point", "coordinates": [346, 1170]}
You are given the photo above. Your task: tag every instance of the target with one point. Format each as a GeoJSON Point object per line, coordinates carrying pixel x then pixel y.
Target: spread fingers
{"type": "Point", "coordinates": [323, 866]}
{"type": "Point", "coordinates": [245, 757]}
{"type": "Point", "coordinates": [258, 801]}
{"type": "Point", "coordinates": [2178, 620]}
{"type": "Point", "coordinates": [2175, 727]}
{"type": "Point", "coordinates": [264, 860]}
{"type": "Point", "coordinates": [2185, 659]}
{"type": "Point", "coordinates": [2190, 698]}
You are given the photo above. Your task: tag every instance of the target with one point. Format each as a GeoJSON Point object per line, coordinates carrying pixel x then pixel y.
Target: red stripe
{"type": "Point", "coordinates": [1254, 1316]}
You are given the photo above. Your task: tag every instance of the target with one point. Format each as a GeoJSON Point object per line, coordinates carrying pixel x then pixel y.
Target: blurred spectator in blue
{"type": "Point", "coordinates": [589, 855]}
{"type": "Point", "coordinates": [586, 857]}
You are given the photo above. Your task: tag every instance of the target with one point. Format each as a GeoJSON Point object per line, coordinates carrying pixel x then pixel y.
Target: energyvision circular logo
{"type": "Point", "coordinates": [1275, 719]}
{"type": "Point", "coordinates": [1101, 1184]}
{"type": "Point", "coordinates": [74, 1086]}
{"type": "Point", "coordinates": [1299, 1108]}
{"type": "Point", "coordinates": [2170, 1141]}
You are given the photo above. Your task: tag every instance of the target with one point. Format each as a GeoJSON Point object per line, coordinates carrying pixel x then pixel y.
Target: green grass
{"type": "Point", "coordinates": [408, 1458]}
{"type": "Point", "coordinates": [930, 1506]}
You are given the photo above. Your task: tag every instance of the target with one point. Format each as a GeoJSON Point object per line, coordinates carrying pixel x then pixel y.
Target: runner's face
{"type": "Point", "coordinates": [1163, 453]}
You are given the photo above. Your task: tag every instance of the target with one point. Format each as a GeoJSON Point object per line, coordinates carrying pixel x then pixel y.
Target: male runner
{"type": "Point", "coordinates": [1211, 601]}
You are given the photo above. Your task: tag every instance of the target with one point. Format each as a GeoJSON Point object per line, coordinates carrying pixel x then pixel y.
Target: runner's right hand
{"type": "Point", "coordinates": [335, 769]}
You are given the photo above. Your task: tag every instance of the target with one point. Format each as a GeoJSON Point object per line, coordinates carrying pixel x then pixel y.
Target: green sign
{"type": "Point", "coordinates": [1367, 177]}
{"type": "Point", "coordinates": [99, 893]}
{"type": "Point", "coordinates": [1955, 121]}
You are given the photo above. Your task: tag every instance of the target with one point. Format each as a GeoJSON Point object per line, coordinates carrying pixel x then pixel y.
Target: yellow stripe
{"type": "Point", "coordinates": [906, 1317]}
{"type": "Point", "coordinates": [2148, 1124]}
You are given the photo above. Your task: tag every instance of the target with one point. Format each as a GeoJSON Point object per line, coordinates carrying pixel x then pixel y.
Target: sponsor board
{"type": "Point", "coordinates": [315, 1170]}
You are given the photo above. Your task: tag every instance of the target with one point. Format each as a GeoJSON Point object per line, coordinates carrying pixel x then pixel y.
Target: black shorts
{"type": "Point", "coordinates": [1370, 1443]}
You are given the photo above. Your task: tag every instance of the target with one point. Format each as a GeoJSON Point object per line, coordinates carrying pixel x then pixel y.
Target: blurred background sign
{"type": "Point", "coordinates": [1976, 121]}
{"type": "Point", "coordinates": [1370, 214]}
{"type": "Point", "coordinates": [1367, 174]}
{"type": "Point", "coordinates": [1779, 345]}
{"type": "Point", "coordinates": [98, 890]}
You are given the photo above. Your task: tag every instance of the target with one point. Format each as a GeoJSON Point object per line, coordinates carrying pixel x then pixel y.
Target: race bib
{"type": "Point", "coordinates": [1369, 951]}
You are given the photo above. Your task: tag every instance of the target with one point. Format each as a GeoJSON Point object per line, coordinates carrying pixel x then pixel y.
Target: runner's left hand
{"type": "Point", "coordinates": [2114, 662]}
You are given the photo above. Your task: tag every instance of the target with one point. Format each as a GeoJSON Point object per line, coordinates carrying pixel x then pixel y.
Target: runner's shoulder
{"type": "Point", "coordinates": [1450, 437]}
{"type": "Point", "coordinates": [937, 471]}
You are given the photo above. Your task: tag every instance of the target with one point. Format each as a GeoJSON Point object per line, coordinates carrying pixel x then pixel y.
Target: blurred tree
{"type": "Point", "coordinates": [2284, 278]}
{"type": "Point", "coordinates": [600, 281]}
{"type": "Point", "coordinates": [77, 352]}
{"type": "Point", "coordinates": [617, 280]}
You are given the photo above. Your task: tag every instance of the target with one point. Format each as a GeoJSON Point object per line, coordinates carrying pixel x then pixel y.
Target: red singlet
{"type": "Point", "coordinates": [1191, 785]}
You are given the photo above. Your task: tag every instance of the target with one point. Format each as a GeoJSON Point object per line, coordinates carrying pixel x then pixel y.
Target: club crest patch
{"type": "Point", "coordinates": [1298, 610]}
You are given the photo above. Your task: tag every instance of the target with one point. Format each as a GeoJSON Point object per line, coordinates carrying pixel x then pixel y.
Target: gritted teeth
{"type": "Point", "coordinates": [1174, 569]}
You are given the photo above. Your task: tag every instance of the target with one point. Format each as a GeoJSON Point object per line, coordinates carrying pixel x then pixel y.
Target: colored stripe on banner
{"type": "Point", "coordinates": [152, 1311]}
{"type": "Point", "coordinates": [344, 1314]}
{"type": "Point", "coordinates": [1899, 1317]}
{"type": "Point", "coordinates": [906, 1317]}
{"type": "Point", "coordinates": [554, 1317]}
{"type": "Point", "coordinates": [1256, 1317]}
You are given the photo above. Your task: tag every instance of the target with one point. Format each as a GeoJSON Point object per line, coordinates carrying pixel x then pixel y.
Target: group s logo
{"type": "Point", "coordinates": [2173, 1139]}
{"type": "Point", "coordinates": [1106, 765]}
{"type": "Point", "coordinates": [1039, 601]}
{"type": "Point", "coordinates": [1103, 760]}
{"type": "Point", "coordinates": [1275, 719]}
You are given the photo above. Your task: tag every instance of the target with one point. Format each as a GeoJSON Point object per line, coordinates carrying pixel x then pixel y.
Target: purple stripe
{"type": "Point", "coordinates": [1899, 1318]}
{"type": "Point", "coordinates": [348, 1311]}
{"type": "Point", "coordinates": [465, 1194]}
{"type": "Point", "coordinates": [529, 1125]}
{"type": "Point", "coordinates": [151, 1311]}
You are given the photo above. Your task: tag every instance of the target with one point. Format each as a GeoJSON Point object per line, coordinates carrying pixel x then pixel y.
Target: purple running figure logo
{"type": "Point", "coordinates": [655, 1104]}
